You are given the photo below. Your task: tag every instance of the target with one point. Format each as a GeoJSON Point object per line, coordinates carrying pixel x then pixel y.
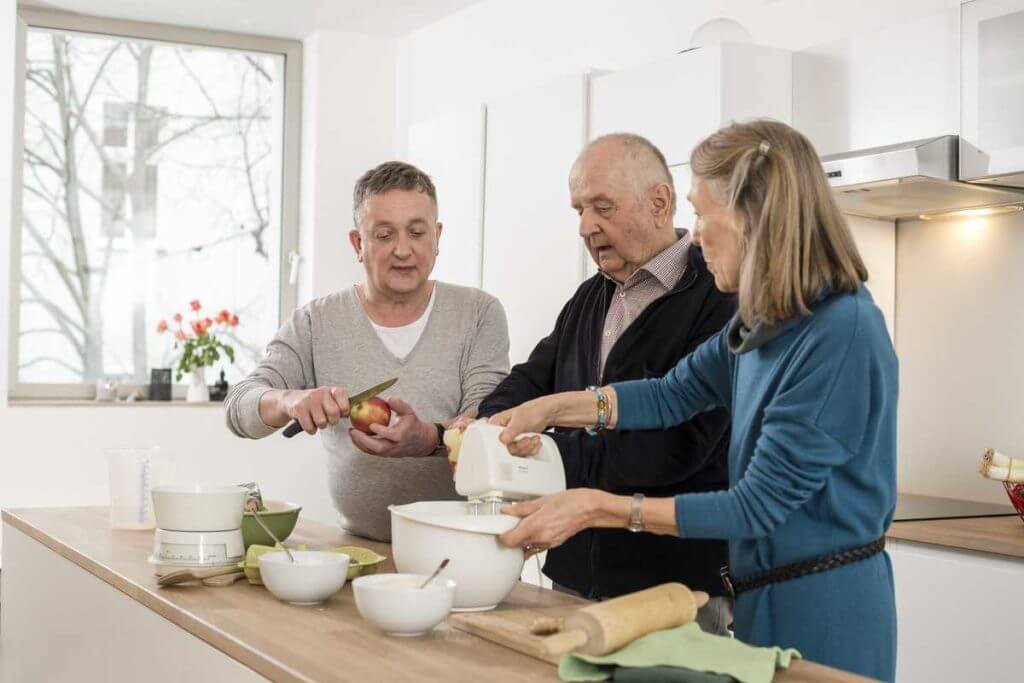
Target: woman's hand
{"type": "Point", "coordinates": [532, 416]}
{"type": "Point", "coordinates": [550, 521]}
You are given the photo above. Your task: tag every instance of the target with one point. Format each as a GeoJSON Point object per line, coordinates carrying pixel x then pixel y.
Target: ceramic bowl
{"type": "Point", "coordinates": [484, 571]}
{"type": "Point", "coordinates": [396, 604]}
{"type": "Point", "coordinates": [198, 507]}
{"type": "Point", "coordinates": [311, 579]}
{"type": "Point", "coordinates": [281, 517]}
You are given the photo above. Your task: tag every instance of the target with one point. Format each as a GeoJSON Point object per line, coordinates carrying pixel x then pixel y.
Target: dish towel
{"type": "Point", "coordinates": [685, 647]}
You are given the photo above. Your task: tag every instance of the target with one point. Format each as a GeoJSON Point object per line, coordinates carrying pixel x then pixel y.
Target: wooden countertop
{"type": "Point", "coordinates": [996, 535]}
{"type": "Point", "coordinates": [288, 643]}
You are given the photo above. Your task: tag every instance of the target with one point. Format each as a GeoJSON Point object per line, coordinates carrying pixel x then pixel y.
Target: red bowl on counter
{"type": "Point", "coordinates": [1015, 490]}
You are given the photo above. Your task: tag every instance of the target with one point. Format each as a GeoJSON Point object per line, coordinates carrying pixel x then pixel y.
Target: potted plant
{"type": "Point", "coordinates": [200, 346]}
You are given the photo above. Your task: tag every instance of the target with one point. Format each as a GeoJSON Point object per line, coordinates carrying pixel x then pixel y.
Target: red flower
{"type": "Point", "coordinates": [234, 320]}
{"type": "Point", "coordinates": [179, 335]}
{"type": "Point", "coordinates": [177, 318]}
{"type": "Point", "coordinates": [197, 327]}
{"type": "Point", "coordinates": [194, 304]}
{"type": "Point", "coordinates": [224, 316]}
{"type": "Point", "coordinates": [161, 327]}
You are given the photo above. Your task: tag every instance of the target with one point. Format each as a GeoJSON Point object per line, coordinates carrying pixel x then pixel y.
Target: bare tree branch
{"type": "Point", "coordinates": [99, 71]}
{"type": "Point", "coordinates": [63, 271]}
{"type": "Point", "coordinates": [198, 82]}
{"type": "Point", "coordinates": [35, 159]}
{"type": "Point", "coordinates": [259, 69]}
{"type": "Point", "coordinates": [54, 360]}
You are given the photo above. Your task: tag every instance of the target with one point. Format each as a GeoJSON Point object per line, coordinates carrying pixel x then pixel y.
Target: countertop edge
{"type": "Point", "coordinates": [255, 660]}
{"type": "Point", "coordinates": [954, 534]}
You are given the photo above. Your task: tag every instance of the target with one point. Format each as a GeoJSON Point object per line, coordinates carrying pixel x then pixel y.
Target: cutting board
{"type": "Point", "coordinates": [511, 628]}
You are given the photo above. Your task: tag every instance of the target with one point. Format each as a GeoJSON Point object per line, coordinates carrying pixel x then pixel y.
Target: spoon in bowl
{"type": "Point", "coordinates": [444, 563]}
{"type": "Point", "coordinates": [256, 516]}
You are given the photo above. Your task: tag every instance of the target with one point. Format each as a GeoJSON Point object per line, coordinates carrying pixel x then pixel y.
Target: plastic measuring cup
{"type": "Point", "coordinates": [133, 474]}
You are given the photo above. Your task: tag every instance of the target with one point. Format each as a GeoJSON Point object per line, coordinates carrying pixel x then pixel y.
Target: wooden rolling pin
{"type": "Point", "coordinates": [608, 626]}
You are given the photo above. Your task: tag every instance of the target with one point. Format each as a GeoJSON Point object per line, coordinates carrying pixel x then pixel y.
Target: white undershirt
{"type": "Point", "coordinates": [400, 340]}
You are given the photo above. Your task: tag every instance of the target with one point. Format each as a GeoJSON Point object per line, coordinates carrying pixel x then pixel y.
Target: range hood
{"type": "Point", "coordinates": [907, 180]}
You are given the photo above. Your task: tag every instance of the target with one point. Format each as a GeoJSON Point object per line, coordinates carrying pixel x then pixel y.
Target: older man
{"type": "Point", "coordinates": [652, 303]}
{"type": "Point", "coordinates": [448, 346]}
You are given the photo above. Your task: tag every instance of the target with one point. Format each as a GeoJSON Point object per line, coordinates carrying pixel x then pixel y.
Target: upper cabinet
{"type": "Point", "coordinates": [678, 101]}
{"type": "Point", "coordinates": [533, 255]}
{"type": "Point", "coordinates": [450, 149]}
{"type": "Point", "coordinates": [992, 92]}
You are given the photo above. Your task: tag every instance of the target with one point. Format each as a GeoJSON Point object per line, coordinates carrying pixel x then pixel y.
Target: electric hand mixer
{"type": "Point", "coordinates": [488, 475]}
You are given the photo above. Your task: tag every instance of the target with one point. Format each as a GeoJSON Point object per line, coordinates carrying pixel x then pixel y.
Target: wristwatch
{"type": "Point", "coordinates": [636, 515]}
{"type": "Point", "coordinates": [440, 436]}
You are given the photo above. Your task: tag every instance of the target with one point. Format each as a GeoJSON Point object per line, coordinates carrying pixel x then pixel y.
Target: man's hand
{"type": "Point", "coordinates": [315, 409]}
{"type": "Point", "coordinates": [406, 437]}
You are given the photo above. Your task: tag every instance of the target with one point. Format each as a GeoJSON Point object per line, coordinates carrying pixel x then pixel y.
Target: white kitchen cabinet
{"type": "Point", "coordinates": [992, 96]}
{"type": "Point", "coordinates": [533, 255]}
{"type": "Point", "coordinates": [959, 614]}
{"type": "Point", "coordinates": [450, 149]}
{"type": "Point", "coordinates": [897, 83]}
{"type": "Point", "coordinates": [678, 101]}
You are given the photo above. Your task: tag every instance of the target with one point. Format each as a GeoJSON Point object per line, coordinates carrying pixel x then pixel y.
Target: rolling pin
{"type": "Point", "coordinates": [608, 626]}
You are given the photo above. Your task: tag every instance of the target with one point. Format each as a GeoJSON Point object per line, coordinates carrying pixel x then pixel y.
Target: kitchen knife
{"type": "Point", "coordinates": [295, 427]}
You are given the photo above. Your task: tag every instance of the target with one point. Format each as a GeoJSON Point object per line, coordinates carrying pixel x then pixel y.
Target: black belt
{"type": "Point", "coordinates": [823, 563]}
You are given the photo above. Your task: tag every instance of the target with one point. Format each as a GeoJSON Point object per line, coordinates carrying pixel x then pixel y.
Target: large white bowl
{"type": "Point", "coordinates": [397, 605]}
{"type": "Point", "coordinates": [312, 578]}
{"type": "Point", "coordinates": [423, 534]}
{"type": "Point", "coordinates": [198, 507]}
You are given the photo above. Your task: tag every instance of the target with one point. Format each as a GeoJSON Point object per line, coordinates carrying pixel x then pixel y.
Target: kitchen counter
{"type": "Point", "coordinates": [954, 595]}
{"type": "Point", "coordinates": [996, 535]}
{"type": "Point", "coordinates": [74, 588]}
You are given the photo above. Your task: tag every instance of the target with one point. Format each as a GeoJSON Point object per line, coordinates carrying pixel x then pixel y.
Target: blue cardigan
{"type": "Point", "coordinates": [812, 470]}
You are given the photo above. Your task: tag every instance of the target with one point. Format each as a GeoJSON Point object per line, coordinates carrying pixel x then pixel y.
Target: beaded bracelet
{"type": "Point", "coordinates": [602, 411]}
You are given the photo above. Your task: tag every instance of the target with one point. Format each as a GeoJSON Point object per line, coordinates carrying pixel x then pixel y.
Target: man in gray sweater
{"type": "Point", "coordinates": [447, 345]}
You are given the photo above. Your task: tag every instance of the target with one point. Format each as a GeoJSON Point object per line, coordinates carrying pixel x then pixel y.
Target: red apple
{"type": "Point", "coordinates": [371, 411]}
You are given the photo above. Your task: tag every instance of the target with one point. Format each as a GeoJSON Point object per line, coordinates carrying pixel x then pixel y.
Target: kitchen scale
{"type": "Point", "coordinates": [197, 548]}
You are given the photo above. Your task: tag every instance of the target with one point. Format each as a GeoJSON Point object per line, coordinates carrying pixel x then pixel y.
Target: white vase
{"type": "Point", "coordinates": [198, 392]}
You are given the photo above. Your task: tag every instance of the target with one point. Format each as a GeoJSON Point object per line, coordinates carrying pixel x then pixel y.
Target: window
{"type": "Point", "coordinates": [160, 166]}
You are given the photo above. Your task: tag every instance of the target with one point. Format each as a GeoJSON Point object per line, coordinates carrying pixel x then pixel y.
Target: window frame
{"type": "Point", "coordinates": [291, 50]}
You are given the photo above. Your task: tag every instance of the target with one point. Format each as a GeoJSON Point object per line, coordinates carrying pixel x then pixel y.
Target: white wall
{"type": "Point", "coordinates": [961, 370]}
{"type": "Point", "coordinates": [52, 456]}
{"type": "Point", "coordinates": [349, 100]}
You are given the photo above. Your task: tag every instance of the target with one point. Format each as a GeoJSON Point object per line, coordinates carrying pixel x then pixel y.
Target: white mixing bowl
{"type": "Point", "coordinates": [397, 605]}
{"type": "Point", "coordinates": [311, 579]}
{"type": "Point", "coordinates": [423, 534]}
{"type": "Point", "coordinates": [198, 507]}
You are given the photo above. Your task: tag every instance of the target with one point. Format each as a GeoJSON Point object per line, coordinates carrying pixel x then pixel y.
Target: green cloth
{"type": "Point", "coordinates": [686, 647]}
{"type": "Point", "coordinates": [667, 674]}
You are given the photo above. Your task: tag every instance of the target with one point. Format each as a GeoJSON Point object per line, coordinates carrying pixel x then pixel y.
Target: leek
{"type": "Point", "coordinates": [995, 465]}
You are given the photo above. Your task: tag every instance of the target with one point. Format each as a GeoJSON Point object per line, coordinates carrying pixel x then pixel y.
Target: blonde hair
{"type": "Point", "coordinates": [795, 243]}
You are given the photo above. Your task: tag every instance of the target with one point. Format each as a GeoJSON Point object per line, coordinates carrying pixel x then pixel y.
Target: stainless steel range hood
{"type": "Point", "coordinates": [907, 180]}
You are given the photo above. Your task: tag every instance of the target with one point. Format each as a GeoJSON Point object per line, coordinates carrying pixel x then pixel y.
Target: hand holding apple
{"type": "Point", "coordinates": [370, 412]}
{"type": "Point", "coordinates": [408, 437]}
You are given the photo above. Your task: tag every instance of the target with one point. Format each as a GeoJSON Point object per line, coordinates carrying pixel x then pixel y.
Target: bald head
{"type": "Point", "coordinates": [628, 158]}
{"type": "Point", "coordinates": [621, 188]}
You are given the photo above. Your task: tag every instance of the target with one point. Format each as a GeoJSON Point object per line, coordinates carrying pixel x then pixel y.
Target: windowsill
{"type": "Point", "coordinates": [84, 402]}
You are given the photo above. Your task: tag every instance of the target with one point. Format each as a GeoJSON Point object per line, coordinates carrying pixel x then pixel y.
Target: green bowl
{"type": "Point", "coordinates": [280, 517]}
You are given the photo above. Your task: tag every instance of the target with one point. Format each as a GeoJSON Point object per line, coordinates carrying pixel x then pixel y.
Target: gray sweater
{"type": "Point", "coordinates": [460, 357]}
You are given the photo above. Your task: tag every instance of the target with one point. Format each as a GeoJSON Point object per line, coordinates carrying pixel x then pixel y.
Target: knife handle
{"type": "Point", "coordinates": [292, 429]}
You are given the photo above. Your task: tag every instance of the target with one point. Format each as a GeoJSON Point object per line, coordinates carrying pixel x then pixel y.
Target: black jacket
{"type": "Point", "coordinates": [603, 563]}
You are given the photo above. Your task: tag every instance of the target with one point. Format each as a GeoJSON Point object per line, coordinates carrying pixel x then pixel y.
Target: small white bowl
{"type": "Point", "coordinates": [311, 579]}
{"type": "Point", "coordinates": [396, 604]}
{"type": "Point", "coordinates": [198, 507]}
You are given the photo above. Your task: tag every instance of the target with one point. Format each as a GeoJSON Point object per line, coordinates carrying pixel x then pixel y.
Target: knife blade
{"type": "Point", "coordinates": [295, 427]}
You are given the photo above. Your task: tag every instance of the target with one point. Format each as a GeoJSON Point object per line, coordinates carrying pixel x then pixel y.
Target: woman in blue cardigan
{"type": "Point", "coordinates": [809, 375]}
